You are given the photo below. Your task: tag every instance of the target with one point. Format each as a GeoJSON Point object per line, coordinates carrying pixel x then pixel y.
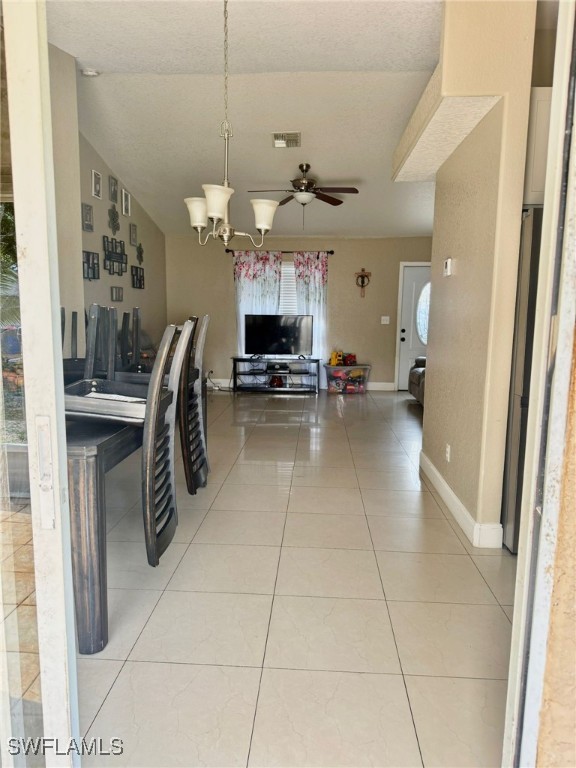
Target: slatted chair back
{"type": "Point", "coordinates": [158, 476]}
{"type": "Point", "coordinates": [191, 417]}
{"type": "Point", "coordinates": [125, 340]}
{"type": "Point", "coordinates": [136, 327]}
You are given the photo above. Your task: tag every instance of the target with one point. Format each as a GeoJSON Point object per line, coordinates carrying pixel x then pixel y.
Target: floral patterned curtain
{"type": "Point", "coordinates": [257, 281]}
{"type": "Point", "coordinates": [311, 271]}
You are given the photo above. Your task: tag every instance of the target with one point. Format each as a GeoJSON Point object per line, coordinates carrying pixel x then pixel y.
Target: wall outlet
{"type": "Point", "coordinates": [448, 452]}
{"type": "Point", "coordinates": [384, 320]}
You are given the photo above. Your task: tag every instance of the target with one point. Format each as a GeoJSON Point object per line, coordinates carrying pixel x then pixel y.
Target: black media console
{"type": "Point", "coordinates": [275, 375]}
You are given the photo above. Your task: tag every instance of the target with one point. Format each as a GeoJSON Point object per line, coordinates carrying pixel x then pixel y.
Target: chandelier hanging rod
{"type": "Point", "coordinates": [214, 207]}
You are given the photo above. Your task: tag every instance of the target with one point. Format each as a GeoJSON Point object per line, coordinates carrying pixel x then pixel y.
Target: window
{"type": "Point", "coordinates": [422, 312]}
{"type": "Point", "coordinates": [288, 305]}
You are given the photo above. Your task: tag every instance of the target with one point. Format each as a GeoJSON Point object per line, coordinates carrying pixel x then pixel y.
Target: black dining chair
{"type": "Point", "coordinates": [158, 459]}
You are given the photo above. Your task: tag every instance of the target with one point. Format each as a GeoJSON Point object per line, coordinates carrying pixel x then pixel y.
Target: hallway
{"type": "Point", "coordinates": [317, 607]}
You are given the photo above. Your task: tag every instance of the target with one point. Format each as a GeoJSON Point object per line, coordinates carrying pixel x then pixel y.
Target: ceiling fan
{"type": "Point", "coordinates": [305, 190]}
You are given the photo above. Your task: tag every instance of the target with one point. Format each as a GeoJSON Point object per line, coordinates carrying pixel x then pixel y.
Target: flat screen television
{"type": "Point", "coordinates": [278, 334]}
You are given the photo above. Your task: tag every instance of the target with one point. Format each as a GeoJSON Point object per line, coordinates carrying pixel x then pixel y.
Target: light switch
{"type": "Point", "coordinates": [447, 267]}
{"type": "Point", "coordinates": [384, 320]}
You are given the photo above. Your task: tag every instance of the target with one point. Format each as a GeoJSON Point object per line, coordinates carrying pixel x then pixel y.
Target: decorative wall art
{"type": "Point", "coordinates": [116, 293]}
{"type": "Point", "coordinates": [133, 234]}
{"type": "Point", "coordinates": [137, 277]}
{"type": "Point", "coordinates": [126, 203]}
{"type": "Point", "coordinates": [87, 218]}
{"type": "Point", "coordinates": [97, 185]}
{"type": "Point", "coordinates": [90, 265]}
{"type": "Point", "coordinates": [113, 219]}
{"type": "Point", "coordinates": [112, 189]}
{"type": "Point", "coordinates": [140, 253]}
{"type": "Point", "coordinates": [115, 258]}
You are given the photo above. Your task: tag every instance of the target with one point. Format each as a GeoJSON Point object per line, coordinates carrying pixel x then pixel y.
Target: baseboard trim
{"type": "Point", "coordinates": [483, 535]}
{"type": "Point", "coordinates": [382, 386]}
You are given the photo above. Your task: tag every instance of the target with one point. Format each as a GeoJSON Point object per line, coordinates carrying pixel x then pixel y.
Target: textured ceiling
{"type": "Point", "coordinates": [347, 74]}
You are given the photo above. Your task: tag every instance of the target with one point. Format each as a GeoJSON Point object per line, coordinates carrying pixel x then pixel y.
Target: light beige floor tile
{"type": "Point", "coordinates": [201, 500]}
{"type": "Point", "coordinates": [324, 477]}
{"type": "Point", "coordinates": [128, 612]}
{"type": "Point", "coordinates": [254, 474]}
{"type": "Point", "coordinates": [432, 578]}
{"type": "Point", "coordinates": [400, 503]}
{"type": "Point", "coordinates": [16, 587]}
{"type": "Point", "coordinates": [328, 531]}
{"type": "Point", "coordinates": [252, 498]}
{"type": "Point", "coordinates": [450, 640]}
{"type": "Point", "coordinates": [331, 634]}
{"type": "Point", "coordinates": [365, 447]}
{"type": "Point", "coordinates": [22, 668]}
{"type": "Point", "coordinates": [402, 534]}
{"type": "Point", "coordinates": [382, 462]}
{"type": "Point", "coordinates": [21, 560]}
{"type": "Point", "coordinates": [212, 628]}
{"type": "Point", "coordinates": [459, 722]}
{"type": "Point", "coordinates": [178, 715]}
{"type": "Point", "coordinates": [95, 678]}
{"type": "Point", "coordinates": [311, 500]}
{"type": "Point", "coordinates": [390, 480]}
{"type": "Point", "coordinates": [21, 630]}
{"type": "Point", "coordinates": [257, 453]}
{"type": "Point", "coordinates": [128, 566]}
{"type": "Point", "coordinates": [500, 573]}
{"type": "Point", "coordinates": [131, 526]}
{"type": "Point", "coordinates": [328, 573]}
{"type": "Point", "coordinates": [324, 458]}
{"type": "Point", "coordinates": [115, 514]}
{"type": "Point", "coordinates": [15, 533]}
{"type": "Point", "coordinates": [253, 528]}
{"type": "Point", "coordinates": [332, 719]}
{"type": "Point", "coordinates": [227, 568]}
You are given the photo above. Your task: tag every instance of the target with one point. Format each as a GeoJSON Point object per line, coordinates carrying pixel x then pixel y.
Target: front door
{"type": "Point", "coordinates": [413, 317]}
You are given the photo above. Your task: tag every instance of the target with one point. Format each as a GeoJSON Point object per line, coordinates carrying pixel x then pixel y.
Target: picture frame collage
{"type": "Point", "coordinates": [115, 257]}
{"type": "Point", "coordinates": [137, 277]}
{"type": "Point", "coordinates": [90, 265]}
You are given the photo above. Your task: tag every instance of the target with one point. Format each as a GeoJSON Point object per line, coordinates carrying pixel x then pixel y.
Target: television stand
{"type": "Point", "coordinates": [276, 375]}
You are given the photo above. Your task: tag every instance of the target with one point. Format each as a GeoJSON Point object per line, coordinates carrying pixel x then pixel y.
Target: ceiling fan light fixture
{"type": "Point", "coordinates": [304, 197]}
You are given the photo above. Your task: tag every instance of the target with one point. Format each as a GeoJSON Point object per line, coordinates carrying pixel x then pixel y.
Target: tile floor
{"type": "Point", "coordinates": [317, 608]}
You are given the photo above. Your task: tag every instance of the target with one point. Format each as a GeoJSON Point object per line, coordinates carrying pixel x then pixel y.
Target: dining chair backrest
{"type": "Point", "coordinates": [136, 326]}
{"type": "Point", "coordinates": [125, 340]}
{"type": "Point", "coordinates": [158, 461]}
{"type": "Point", "coordinates": [191, 417]}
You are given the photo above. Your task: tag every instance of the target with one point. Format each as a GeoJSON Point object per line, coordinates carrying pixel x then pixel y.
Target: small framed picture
{"type": "Point", "coordinates": [105, 243]}
{"type": "Point", "coordinates": [113, 189]}
{"type": "Point", "coordinates": [118, 246]}
{"type": "Point", "coordinates": [113, 245]}
{"type": "Point", "coordinates": [126, 203]}
{"type": "Point", "coordinates": [116, 293]}
{"type": "Point", "coordinates": [97, 185]}
{"type": "Point", "coordinates": [133, 234]}
{"type": "Point", "coordinates": [87, 218]}
{"type": "Point", "coordinates": [90, 265]}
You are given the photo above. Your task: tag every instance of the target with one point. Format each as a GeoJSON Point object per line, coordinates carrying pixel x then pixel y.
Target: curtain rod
{"type": "Point", "coordinates": [231, 250]}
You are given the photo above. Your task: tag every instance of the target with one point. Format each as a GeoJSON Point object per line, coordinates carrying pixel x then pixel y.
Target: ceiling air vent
{"type": "Point", "coordinates": [287, 139]}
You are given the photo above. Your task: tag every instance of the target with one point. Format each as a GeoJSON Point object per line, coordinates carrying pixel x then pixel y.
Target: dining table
{"type": "Point", "coordinates": [93, 448]}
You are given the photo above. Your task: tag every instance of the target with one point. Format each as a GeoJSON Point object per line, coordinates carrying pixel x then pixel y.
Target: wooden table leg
{"type": "Point", "coordinates": [88, 531]}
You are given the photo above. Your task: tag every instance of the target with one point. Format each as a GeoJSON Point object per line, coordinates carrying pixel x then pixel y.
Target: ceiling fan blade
{"type": "Point", "coordinates": [328, 199]}
{"type": "Point", "coordinates": [286, 200]}
{"type": "Point", "coordinates": [340, 190]}
{"type": "Point", "coordinates": [268, 190]}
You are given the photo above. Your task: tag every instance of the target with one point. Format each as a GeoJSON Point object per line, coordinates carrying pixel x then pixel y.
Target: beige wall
{"type": "Point", "coordinates": [200, 280]}
{"type": "Point", "coordinates": [67, 186]}
{"type": "Point", "coordinates": [472, 321]}
{"type": "Point", "coordinates": [151, 300]}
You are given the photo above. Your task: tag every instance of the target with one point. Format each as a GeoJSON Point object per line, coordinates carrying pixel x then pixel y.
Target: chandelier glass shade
{"type": "Point", "coordinates": [214, 206]}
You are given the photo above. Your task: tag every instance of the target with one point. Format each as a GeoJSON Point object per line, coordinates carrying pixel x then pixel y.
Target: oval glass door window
{"type": "Point", "coordinates": [422, 312]}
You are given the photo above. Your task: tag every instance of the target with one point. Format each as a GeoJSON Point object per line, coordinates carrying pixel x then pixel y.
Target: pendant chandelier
{"type": "Point", "coordinates": [214, 207]}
